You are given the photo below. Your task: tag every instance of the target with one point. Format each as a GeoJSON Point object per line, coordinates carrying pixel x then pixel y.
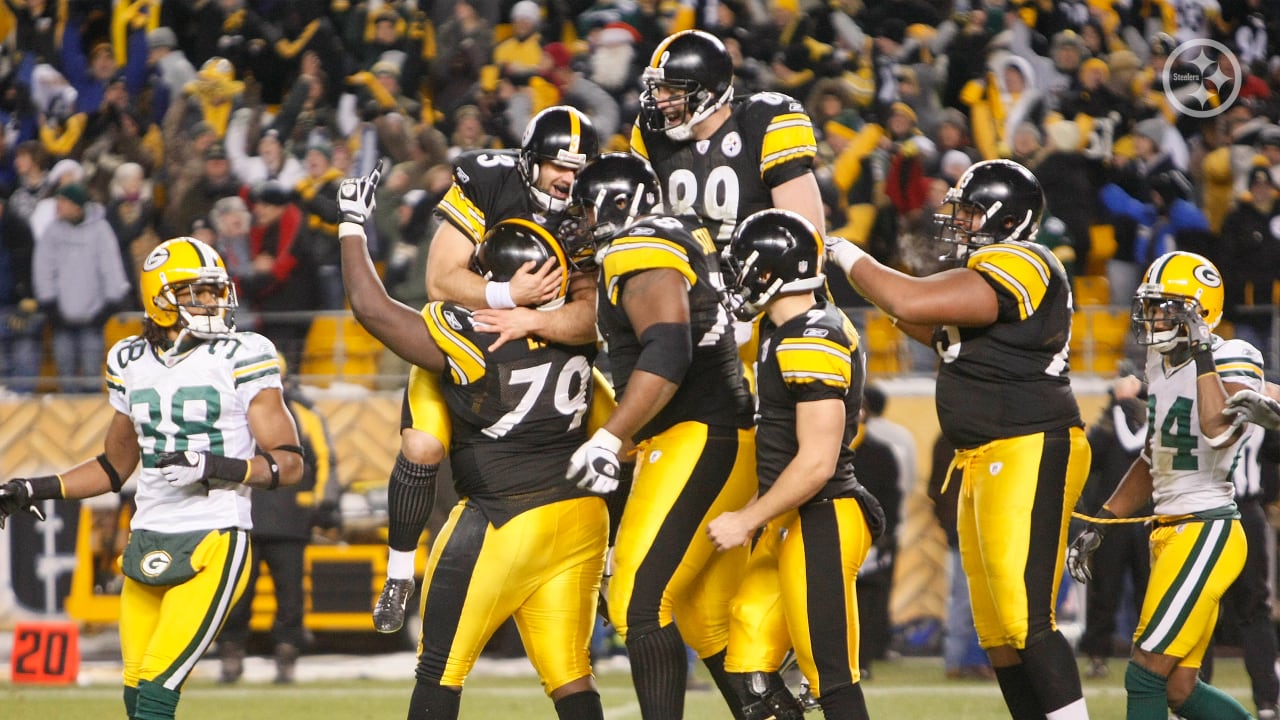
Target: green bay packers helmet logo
{"type": "Point", "coordinates": [156, 259]}
{"type": "Point", "coordinates": [155, 562]}
{"type": "Point", "coordinates": [1207, 275]}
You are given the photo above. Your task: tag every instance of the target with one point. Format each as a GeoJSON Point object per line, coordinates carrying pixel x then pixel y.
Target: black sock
{"type": "Point", "coordinates": [431, 701]}
{"type": "Point", "coordinates": [1019, 695]}
{"type": "Point", "coordinates": [846, 703]}
{"type": "Point", "coordinates": [1052, 665]}
{"type": "Point", "coordinates": [659, 669]}
{"type": "Point", "coordinates": [411, 494]}
{"type": "Point", "coordinates": [583, 705]}
{"type": "Point", "coordinates": [715, 665]}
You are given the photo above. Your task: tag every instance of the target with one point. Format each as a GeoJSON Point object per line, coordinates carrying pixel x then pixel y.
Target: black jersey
{"type": "Point", "coordinates": [767, 141]}
{"type": "Point", "coordinates": [518, 413]}
{"type": "Point", "coordinates": [487, 189]}
{"type": "Point", "coordinates": [1010, 378]}
{"type": "Point", "coordinates": [813, 356]}
{"type": "Point", "coordinates": [713, 391]}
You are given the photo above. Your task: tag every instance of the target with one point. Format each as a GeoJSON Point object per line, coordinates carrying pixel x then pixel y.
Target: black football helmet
{"type": "Point", "coordinates": [772, 251]}
{"type": "Point", "coordinates": [697, 66]}
{"type": "Point", "coordinates": [617, 188]}
{"type": "Point", "coordinates": [559, 134]}
{"type": "Point", "coordinates": [510, 244]}
{"type": "Point", "coordinates": [993, 201]}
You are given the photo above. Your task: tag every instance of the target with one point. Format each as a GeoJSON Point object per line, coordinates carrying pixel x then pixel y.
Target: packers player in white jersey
{"type": "Point", "coordinates": [1197, 545]}
{"type": "Point", "coordinates": [200, 407]}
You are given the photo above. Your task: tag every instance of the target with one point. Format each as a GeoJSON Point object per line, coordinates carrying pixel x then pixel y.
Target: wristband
{"type": "Point", "coordinates": [1103, 514]}
{"type": "Point", "coordinates": [1204, 362]}
{"type": "Point", "coordinates": [45, 487]}
{"type": "Point", "coordinates": [348, 228]}
{"type": "Point", "coordinates": [221, 467]}
{"type": "Point", "coordinates": [497, 295]}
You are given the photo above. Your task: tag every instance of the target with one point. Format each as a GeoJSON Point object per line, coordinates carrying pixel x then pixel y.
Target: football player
{"type": "Point", "coordinates": [718, 159]}
{"type": "Point", "coordinates": [682, 400]}
{"type": "Point", "coordinates": [489, 186]}
{"type": "Point", "coordinates": [1000, 322]}
{"type": "Point", "coordinates": [818, 521]}
{"type": "Point", "coordinates": [1198, 546]}
{"type": "Point", "coordinates": [201, 407]}
{"type": "Point", "coordinates": [522, 542]}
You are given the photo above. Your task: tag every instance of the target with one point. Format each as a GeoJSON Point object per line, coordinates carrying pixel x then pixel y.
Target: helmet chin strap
{"type": "Point", "coordinates": [684, 131]}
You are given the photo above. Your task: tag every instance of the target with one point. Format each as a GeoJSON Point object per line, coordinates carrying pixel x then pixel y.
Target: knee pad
{"type": "Point", "coordinates": [766, 697]}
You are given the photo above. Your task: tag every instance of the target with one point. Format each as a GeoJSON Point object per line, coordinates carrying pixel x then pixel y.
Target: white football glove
{"type": "Point", "coordinates": [595, 465]}
{"type": "Point", "coordinates": [843, 253]}
{"type": "Point", "coordinates": [190, 467]}
{"type": "Point", "coordinates": [184, 468]}
{"type": "Point", "coordinates": [1080, 554]}
{"type": "Point", "coordinates": [1254, 407]}
{"type": "Point", "coordinates": [357, 196]}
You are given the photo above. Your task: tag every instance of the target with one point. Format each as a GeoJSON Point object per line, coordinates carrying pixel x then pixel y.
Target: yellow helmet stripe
{"type": "Point", "coordinates": [662, 49]}
{"type": "Point", "coordinates": [575, 131]}
{"type": "Point", "coordinates": [551, 242]}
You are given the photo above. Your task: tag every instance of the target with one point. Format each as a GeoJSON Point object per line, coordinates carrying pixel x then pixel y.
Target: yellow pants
{"type": "Point", "coordinates": [665, 567]}
{"type": "Point", "coordinates": [799, 592]}
{"type": "Point", "coordinates": [1015, 503]}
{"type": "Point", "coordinates": [1193, 564]}
{"type": "Point", "coordinates": [543, 567]}
{"type": "Point", "coordinates": [164, 630]}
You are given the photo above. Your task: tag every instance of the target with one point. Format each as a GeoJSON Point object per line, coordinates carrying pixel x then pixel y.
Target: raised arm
{"type": "Point", "coordinates": [393, 323]}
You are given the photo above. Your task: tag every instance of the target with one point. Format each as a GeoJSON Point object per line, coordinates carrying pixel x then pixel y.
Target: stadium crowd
{"type": "Point", "coordinates": [233, 121]}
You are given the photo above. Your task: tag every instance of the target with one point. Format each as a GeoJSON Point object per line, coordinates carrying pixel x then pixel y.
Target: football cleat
{"type": "Point", "coordinates": [388, 612]}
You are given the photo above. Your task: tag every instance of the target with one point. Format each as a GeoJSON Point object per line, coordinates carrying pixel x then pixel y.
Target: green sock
{"type": "Point", "coordinates": [1207, 702]}
{"type": "Point", "coordinates": [1148, 699]}
{"type": "Point", "coordinates": [130, 701]}
{"type": "Point", "coordinates": [155, 702]}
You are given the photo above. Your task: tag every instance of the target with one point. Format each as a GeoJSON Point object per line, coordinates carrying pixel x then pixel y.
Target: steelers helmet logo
{"type": "Point", "coordinates": [156, 258]}
{"type": "Point", "coordinates": [155, 562]}
{"type": "Point", "coordinates": [1207, 276]}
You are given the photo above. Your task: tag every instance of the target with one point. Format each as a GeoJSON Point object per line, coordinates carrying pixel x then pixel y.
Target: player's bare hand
{"type": "Point", "coordinates": [729, 530]}
{"type": "Point", "coordinates": [532, 286]}
{"type": "Point", "coordinates": [510, 324]}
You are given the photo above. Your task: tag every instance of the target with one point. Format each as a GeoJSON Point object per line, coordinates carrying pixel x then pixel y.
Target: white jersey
{"type": "Point", "coordinates": [1187, 474]}
{"type": "Point", "coordinates": [200, 403]}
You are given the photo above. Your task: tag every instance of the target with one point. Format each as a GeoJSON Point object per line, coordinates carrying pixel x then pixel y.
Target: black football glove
{"type": "Point", "coordinates": [16, 496]}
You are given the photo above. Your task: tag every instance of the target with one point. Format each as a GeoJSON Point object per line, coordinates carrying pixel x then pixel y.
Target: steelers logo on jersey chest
{"type": "Point", "coordinates": [154, 563]}
{"type": "Point", "coordinates": [731, 145]}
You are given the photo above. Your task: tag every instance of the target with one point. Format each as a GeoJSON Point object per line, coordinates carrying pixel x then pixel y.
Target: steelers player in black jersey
{"type": "Point", "coordinates": [816, 522]}
{"type": "Point", "coordinates": [522, 542]}
{"type": "Point", "coordinates": [1001, 322]}
{"type": "Point", "coordinates": [683, 402]}
{"type": "Point", "coordinates": [489, 186]}
{"type": "Point", "coordinates": [717, 158]}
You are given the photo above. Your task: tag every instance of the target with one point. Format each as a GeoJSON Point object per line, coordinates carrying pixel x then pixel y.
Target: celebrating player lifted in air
{"type": "Point", "coordinates": [522, 542]}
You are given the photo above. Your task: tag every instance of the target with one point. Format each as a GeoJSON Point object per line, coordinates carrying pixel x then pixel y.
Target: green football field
{"type": "Point", "coordinates": [909, 688]}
